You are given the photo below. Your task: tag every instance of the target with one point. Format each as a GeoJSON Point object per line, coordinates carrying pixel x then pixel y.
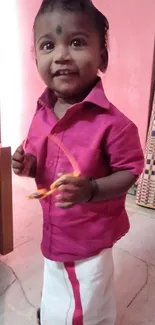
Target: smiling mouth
{"type": "Point", "coordinates": [64, 73]}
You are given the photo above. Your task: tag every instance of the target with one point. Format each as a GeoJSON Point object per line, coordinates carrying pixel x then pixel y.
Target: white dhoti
{"type": "Point", "coordinates": [80, 293]}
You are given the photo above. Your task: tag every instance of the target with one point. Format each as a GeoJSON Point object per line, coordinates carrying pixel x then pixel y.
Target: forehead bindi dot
{"type": "Point", "coordinates": [59, 30]}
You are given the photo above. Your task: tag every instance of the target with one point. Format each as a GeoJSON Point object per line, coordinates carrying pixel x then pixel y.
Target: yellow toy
{"type": "Point", "coordinates": [43, 193]}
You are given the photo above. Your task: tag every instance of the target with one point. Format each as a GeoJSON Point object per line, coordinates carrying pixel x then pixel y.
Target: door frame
{"type": "Point", "coordinates": [6, 210]}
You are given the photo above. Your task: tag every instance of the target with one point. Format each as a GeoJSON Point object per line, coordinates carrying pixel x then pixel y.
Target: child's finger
{"type": "Point", "coordinates": [66, 197]}
{"type": "Point", "coordinates": [18, 157]}
{"type": "Point", "coordinates": [64, 205]}
{"type": "Point", "coordinates": [16, 171]}
{"type": "Point", "coordinates": [69, 188]}
{"type": "Point", "coordinates": [77, 181]}
{"type": "Point", "coordinates": [17, 165]}
{"type": "Point", "coordinates": [20, 150]}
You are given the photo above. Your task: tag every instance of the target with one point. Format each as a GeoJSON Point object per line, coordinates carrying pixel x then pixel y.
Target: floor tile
{"type": "Point", "coordinates": [140, 241]}
{"type": "Point", "coordinates": [6, 277]}
{"type": "Point", "coordinates": [14, 308]}
{"type": "Point", "coordinates": [142, 310]}
{"type": "Point", "coordinates": [130, 277]}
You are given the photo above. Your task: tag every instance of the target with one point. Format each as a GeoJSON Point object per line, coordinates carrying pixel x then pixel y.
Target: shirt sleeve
{"type": "Point", "coordinates": [28, 143]}
{"type": "Point", "coordinates": [30, 151]}
{"type": "Point", "coordinates": [125, 151]}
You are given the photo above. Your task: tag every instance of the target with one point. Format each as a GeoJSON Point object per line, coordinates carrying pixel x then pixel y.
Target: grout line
{"type": "Point", "coordinates": [138, 258]}
{"type": "Point", "coordinates": [146, 281]}
{"type": "Point", "coordinates": [21, 287]}
{"type": "Point", "coordinates": [22, 244]}
{"type": "Point", "coordinates": [138, 293]}
{"type": "Point", "coordinates": [8, 287]}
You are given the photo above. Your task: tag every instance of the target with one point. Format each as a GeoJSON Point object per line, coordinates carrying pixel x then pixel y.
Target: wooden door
{"type": "Point", "coordinates": [6, 215]}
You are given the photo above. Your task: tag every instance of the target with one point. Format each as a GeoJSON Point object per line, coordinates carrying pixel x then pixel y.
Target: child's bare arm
{"type": "Point", "coordinates": [79, 190]}
{"type": "Point", "coordinates": [114, 186]}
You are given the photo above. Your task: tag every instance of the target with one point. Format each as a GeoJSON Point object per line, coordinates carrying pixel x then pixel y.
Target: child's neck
{"type": "Point", "coordinates": [63, 104]}
{"type": "Point", "coordinates": [61, 107]}
{"type": "Point", "coordinates": [72, 100]}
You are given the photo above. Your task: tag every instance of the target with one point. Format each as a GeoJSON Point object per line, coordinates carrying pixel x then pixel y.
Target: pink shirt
{"type": "Point", "coordinates": [103, 141]}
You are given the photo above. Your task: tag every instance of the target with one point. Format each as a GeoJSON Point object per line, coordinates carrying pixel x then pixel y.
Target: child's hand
{"type": "Point", "coordinates": [18, 161]}
{"type": "Point", "coordinates": [23, 164]}
{"type": "Point", "coordinates": [72, 191]}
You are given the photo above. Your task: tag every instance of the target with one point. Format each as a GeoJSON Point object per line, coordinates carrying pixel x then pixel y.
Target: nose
{"type": "Point", "coordinates": [61, 54]}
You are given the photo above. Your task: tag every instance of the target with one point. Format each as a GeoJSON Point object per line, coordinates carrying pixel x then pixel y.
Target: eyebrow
{"type": "Point", "coordinates": [82, 33]}
{"type": "Point", "coordinates": [74, 34]}
{"type": "Point", "coordinates": [48, 36]}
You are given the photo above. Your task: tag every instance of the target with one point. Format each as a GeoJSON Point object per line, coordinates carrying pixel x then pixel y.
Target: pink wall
{"type": "Point", "coordinates": [127, 81]}
{"type": "Point", "coordinates": [32, 85]}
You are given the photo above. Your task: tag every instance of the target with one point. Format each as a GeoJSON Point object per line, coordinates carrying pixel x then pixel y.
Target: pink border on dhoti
{"type": "Point", "coordinates": [78, 312]}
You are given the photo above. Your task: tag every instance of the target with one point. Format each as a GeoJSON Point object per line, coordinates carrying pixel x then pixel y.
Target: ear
{"type": "Point", "coordinates": [104, 60]}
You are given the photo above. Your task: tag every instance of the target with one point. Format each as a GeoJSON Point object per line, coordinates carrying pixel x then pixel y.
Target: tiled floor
{"type": "Point", "coordinates": [21, 271]}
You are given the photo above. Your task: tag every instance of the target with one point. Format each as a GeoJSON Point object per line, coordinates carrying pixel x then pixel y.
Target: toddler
{"type": "Point", "coordinates": [86, 215]}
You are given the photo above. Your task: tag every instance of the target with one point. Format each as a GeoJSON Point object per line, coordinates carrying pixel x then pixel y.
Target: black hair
{"type": "Point", "coordinates": [86, 7]}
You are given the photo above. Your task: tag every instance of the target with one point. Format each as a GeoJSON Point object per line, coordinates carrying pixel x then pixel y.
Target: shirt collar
{"type": "Point", "coordinates": [96, 96]}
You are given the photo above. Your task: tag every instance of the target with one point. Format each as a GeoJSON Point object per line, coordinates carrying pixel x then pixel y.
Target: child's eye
{"type": "Point", "coordinates": [78, 42]}
{"type": "Point", "coordinates": [47, 46]}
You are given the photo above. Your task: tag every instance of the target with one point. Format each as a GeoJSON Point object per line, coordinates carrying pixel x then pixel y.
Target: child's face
{"type": "Point", "coordinates": [68, 52]}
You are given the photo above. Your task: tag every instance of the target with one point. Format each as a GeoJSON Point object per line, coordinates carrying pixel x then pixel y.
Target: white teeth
{"type": "Point", "coordinates": [64, 72]}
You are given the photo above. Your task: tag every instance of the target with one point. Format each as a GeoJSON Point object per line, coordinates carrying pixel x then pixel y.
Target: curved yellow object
{"type": "Point", "coordinates": [43, 193]}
